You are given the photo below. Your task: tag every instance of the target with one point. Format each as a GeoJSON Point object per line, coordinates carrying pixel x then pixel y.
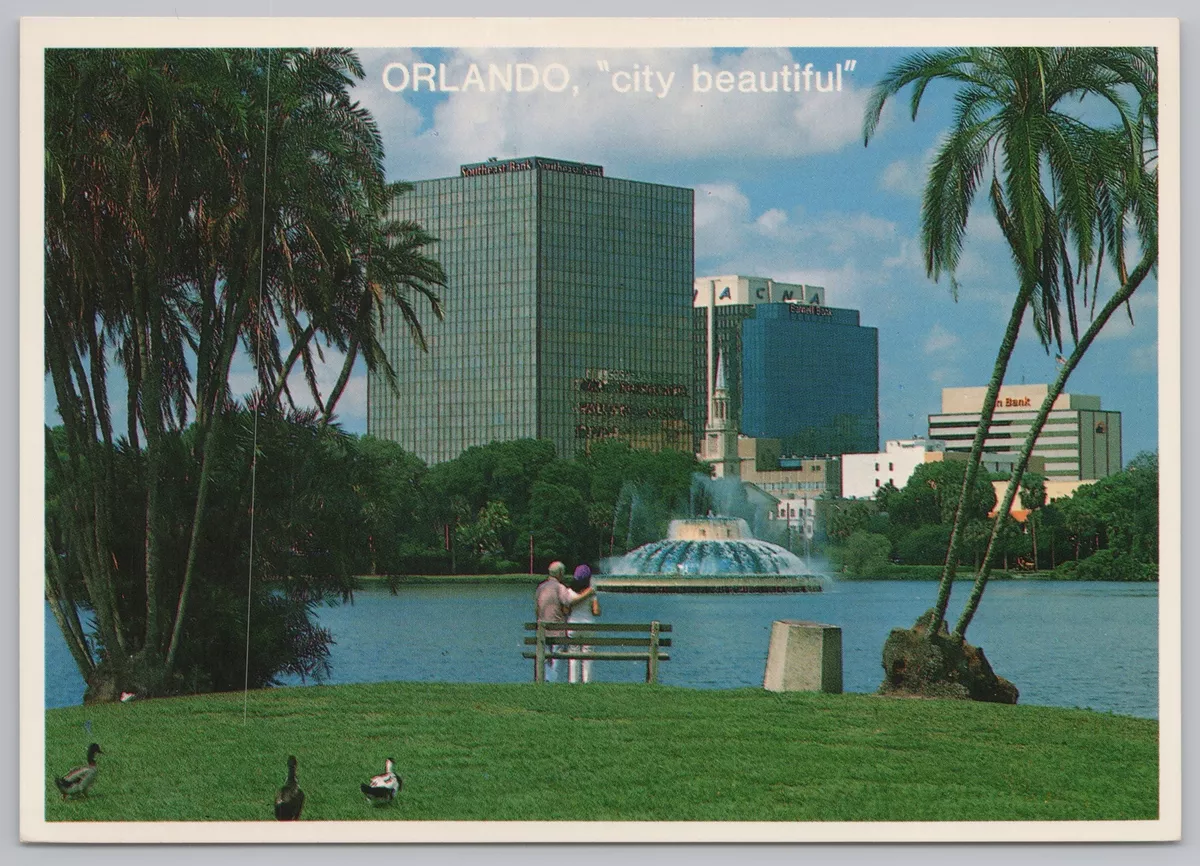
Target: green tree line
{"type": "Point", "coordinates": [330, 507]}
{"type": "Point", "coordinates": [1105, 530]}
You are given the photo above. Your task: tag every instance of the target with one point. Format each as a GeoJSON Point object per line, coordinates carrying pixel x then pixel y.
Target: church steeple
{"type": "Point", "coordinates": [720, 436]}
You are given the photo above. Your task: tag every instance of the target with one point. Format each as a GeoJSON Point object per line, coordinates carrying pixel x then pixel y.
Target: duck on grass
{"type": "Point", "coordinates": [476, 752]}
{"type": "Point", "coordinates": [77, 781]}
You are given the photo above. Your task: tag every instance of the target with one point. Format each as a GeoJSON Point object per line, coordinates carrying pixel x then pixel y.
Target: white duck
{"type": "Point", "coordinates": [78, 780]}
{"type": "Point", "coordinates": [384, 787]}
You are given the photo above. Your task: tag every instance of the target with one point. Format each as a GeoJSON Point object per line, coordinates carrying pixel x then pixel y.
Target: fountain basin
{"type": "Point", "coordinates": [713, 554]}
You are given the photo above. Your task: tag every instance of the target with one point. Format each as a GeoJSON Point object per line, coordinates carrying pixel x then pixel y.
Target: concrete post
{"type": "Point", "coordinates": [804, 657]}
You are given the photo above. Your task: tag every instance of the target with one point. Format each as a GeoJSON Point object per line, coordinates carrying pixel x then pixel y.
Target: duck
{"type": "Point", "coordinates": [384, 787]}
{"type": "Point", "coordinates": [77, 781]}
{"type": "Point", "coordinates": [290, 799]}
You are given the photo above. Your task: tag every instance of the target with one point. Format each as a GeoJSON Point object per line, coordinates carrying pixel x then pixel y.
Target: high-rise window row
{"type": "Point", "coordinates": [567, 303]}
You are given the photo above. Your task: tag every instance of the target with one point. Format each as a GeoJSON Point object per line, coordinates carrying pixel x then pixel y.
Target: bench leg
{"type": "Point", "coordinates": [539, 661]}
{"type": "Point", "coordinates": [652, 660]}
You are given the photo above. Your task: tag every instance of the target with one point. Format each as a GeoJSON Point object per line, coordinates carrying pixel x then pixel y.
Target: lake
{"type": "Point", "coordinates": [1066, 644]}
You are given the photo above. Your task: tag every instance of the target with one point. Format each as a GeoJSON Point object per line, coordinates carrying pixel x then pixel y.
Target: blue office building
{"type": "Point", "coordinates": [810, 378]}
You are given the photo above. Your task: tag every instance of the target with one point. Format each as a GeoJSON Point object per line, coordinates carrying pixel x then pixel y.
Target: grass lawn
{"type": "Point", "coordinates": [617, 752]}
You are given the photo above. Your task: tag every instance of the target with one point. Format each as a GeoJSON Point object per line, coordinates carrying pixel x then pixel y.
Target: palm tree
{"type": "Point", "coordinates": [197, 202]}
{"type": "Point", "coordinates": [1013, 131]}
{"type": "Point", "coordinates": [1125, 184]}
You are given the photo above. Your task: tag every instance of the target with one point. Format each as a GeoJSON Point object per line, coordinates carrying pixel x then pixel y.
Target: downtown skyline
{"type": "Point", "coordinates": [784, 188]}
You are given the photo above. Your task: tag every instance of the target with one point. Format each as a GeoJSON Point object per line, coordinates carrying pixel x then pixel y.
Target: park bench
{"type": "Point", "coordinates": [597, 641]}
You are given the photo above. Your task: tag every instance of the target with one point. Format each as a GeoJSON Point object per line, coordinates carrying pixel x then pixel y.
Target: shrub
{"type": "Point", "coordinates": [1107, 565]}
{"type": "Point", "coordinates": [866, 553]}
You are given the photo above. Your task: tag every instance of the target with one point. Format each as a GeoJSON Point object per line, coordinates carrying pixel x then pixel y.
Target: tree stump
{"type": "Point", "coordinates": [917, 663]}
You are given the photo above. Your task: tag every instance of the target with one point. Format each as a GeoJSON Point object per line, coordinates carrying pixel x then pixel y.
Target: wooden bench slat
{"type": "Point", "coordinates": [600, 656]}
{"type": "Point", "coordinates": [589, 641]}
{"type": "Point", "coordinates": [598, 626]}
{"type": "Point", "coordinates": [551, 641]}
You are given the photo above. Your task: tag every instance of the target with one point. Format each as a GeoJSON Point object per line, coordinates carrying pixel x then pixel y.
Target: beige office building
{"type": "Point", "coordinates": [1080, 440]}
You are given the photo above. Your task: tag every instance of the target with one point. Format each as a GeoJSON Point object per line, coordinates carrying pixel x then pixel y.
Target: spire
{"type": "Point", "coordinates": [720, 385]}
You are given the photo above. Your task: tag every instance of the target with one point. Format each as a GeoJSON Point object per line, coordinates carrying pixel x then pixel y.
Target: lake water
{"type": "Point", "coordinates": [1066, 644]}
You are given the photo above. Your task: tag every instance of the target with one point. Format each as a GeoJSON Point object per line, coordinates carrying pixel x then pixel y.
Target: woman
{"type": "Point", "coordinates": [582, 583]}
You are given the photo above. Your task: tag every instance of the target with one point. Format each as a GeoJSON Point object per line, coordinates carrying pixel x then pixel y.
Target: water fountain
{"type": "Point", "coordinates": [708, 554]}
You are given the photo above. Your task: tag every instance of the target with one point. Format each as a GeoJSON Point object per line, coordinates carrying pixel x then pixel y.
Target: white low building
{"type": "Point", "coordinates": [863, 474]}
{"type": "Point", "coordinates": [799, 512]}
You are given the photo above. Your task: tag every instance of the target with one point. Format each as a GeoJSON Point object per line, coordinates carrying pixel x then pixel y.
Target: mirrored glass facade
{"type": "Point", "coordinates": [810, 378]}
{"type": "Point", "coordinates": [568, 313]}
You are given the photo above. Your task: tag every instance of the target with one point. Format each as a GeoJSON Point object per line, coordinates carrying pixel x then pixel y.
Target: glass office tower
{"type": "Point", "coordinates": [810, 378]}
{"type": "Point", "coordinates": [568, 316]}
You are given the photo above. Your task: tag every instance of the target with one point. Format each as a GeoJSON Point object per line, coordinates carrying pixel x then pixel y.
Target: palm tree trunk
{"type": "Point", "coordinates": [285, 371]}
{"type": "Point", "coordinates": [152, 426]}
{"type": "Point", "coordinates": [343, 379]}
{"type": "Point", "coordinates": [62, 605]}
{"type": "Point", "coordinates": [238, 308]}
{"type": "Point", "coordinates": [985, 422]}
{"type": "Point", "coordinates": [193, 544]}
{"type": "Point", "coordinates": [77, 479]}
{"type": "Point", "coordinates": [1135, 279]}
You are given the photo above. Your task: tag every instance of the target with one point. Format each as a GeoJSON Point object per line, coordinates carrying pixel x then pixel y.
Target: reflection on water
{"type": "Point", "coordinates": [1063, 644]}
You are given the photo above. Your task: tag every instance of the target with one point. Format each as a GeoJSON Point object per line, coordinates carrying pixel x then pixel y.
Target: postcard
{"type": "Point", "coordinates": [600, 430]}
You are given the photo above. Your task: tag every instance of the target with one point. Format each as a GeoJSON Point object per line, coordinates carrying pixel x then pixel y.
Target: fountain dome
{"type": "Point", "coordinates": [710, 547]}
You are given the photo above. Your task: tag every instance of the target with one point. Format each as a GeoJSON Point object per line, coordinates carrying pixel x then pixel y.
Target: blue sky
{"type": "Point", "coordinates": [784, 189]}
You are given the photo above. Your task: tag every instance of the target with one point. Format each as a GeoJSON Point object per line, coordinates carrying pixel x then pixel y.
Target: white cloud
{"type": "Point", "coordinates": [904, 176]}
{"type": "Point", "coordinates": [771, 221]}
{"type": "Point", "coordinates": [721, 216]}
{"type": "Point", "coordinates": [940, 340]}
{"type": "Point", "coordinates": [1118, 327]}
{"type": "Point", "coordinates": [600, 124]}
{"type": "Point", "coordinates": [859, 257]}
{"type": "Point", "coordinates": [1144, 359]}
{"type": "Point", "coordinates": [351, 409]}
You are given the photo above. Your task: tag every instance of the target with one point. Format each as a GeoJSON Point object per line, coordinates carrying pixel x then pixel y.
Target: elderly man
{"type": "Point", "coordinates": [553, 602]}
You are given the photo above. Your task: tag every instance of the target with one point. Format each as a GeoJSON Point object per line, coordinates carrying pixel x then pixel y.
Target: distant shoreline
{"type": "Point", "coordinates": [929, 573]}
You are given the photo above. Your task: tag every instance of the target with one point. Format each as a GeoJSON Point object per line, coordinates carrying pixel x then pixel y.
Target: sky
{"type": "Point", "coordinates": [785, 188]}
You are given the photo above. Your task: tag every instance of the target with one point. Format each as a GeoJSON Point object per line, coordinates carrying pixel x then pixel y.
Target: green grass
{"type": "Point", "coordinates": [605, 752]}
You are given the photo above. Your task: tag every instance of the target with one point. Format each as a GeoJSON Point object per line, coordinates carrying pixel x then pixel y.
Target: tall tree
{"type": "Point", "coordinates": [1123, 179]}
{"type": "Point", "coordinates": [1013, 133]}
{"type": "Point", "coordinates": [198, 203]}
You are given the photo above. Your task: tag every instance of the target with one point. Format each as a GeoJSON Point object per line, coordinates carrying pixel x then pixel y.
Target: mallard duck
{"type": "Point", "coordinates": [384, 787]}
{"type": "Point", "coordinates": [78, 780]}
{"type": "Point", "coordinates": [290, 799]}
